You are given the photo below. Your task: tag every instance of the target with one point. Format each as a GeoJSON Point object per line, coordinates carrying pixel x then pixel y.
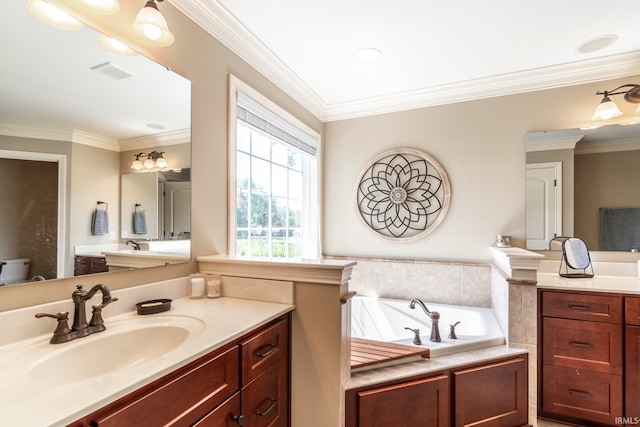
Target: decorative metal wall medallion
{"type": "Point", "coordinates": [403, 194]}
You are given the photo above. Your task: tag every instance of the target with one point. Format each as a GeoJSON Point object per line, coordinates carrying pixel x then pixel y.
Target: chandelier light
{"type": "Point", "coordinates": [53, 15]}
{"type": "Point", "coordinates": [106, 7]}
{"type": "Point", "coordinates": [154, 159]}
{"type": "Point", "coordinates": [151, 27]}
{"type": "Point", "coordinates": [607, 109]}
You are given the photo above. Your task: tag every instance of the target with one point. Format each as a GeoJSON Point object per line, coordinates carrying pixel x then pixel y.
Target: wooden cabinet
{"type": "Point", "coordinates": [214, 390]}
{"type": "Point", "coordinates": [89, 265]}
{"type": "Point", "coordinates": [632, 354]}
{"type": "Point", "coordinates": [490, 394]}
{"type": "Point", "coordinates": [581, 356]}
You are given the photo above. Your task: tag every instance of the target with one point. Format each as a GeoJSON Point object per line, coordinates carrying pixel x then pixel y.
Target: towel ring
{"type": "Point", "coordinates": [103, 203]}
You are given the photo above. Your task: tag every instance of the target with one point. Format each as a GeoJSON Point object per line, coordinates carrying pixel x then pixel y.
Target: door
{"type": "Point", "coordinates": [544, 203]}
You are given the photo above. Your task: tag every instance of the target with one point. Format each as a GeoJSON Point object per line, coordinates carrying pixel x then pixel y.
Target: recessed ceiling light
{"type": "Point", "coordinates": [598, 43]}
{"type": "Point", "coordinates": [368, 54]}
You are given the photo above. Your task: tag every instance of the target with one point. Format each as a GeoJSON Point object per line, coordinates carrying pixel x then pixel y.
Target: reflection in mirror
{"type": "Point", "coordinates": [73, 117]}
{"type": "Point", "coordinates": [598, 188]}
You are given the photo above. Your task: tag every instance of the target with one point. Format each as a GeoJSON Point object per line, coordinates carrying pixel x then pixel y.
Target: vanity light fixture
{"type": "Point", "coordinates": [151, 26]}
{"type": "Point", "coordinates": [154, 159]}
{"type": "Point", "coordinates": [106, 7]}
{"type": "Point", "coordinates": [115, 46]}
{"type": "Point", "coordinates": [607, 109]}
{"type": "Point", "coordinates": [53, 15]}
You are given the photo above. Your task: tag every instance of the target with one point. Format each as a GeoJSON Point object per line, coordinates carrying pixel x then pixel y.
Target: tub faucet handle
{"type": "Point", "coordinates": [416, 335]}
{"type": "Point", "coordinates": [452, 331]}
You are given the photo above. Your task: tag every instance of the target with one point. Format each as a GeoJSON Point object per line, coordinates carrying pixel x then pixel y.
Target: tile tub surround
{"type": "Point", "coordinates": [225, 319]}
{"type": "Point", "coordinates": [456, 283]}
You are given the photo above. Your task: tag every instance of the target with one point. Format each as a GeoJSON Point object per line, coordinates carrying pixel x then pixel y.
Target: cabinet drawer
{"type": "Point", "coordinates": [598, 308]}
{"type": "Point", "coordinates": [582, 394]}
{"type": "Point", "coordinates": [198, 389]}
{"type": "Point", "coordinates": [632, 311]}
{"type": "Point", "coordinates": [265, 399]}
{"type": "Point", "coordinates": [264, 349]}
{"type": "Point", "coordinates": [583, 345]}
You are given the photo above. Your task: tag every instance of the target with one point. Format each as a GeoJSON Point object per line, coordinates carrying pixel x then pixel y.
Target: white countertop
{"type": "Point", "coordinates": [23, 404]}
{"type": "Point", "coordinates": [598, 283]}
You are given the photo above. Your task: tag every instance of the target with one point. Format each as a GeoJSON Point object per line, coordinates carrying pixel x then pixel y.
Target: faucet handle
{"type": "Point", "coordinates": [62, 328]}
{"type": "Point", "coordinates": [416, 335]}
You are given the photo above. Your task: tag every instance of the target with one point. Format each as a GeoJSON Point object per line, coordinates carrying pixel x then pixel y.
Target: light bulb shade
{"type": "Point", "coordinates": [106, 7]}
{"type": "Point", "coordinates": [151, 26]}
{"type": "Point", "coordinates": [137, 164]}
{"type": "Point", "coordinates": [149, 163]}
{"type": "Point", "coordinates": [115, 46]}
{"type": "Point", "coordinates": [606, 110]}
{"type": "Point", "coordinates": [52, 15]}
{"type": "Point", "coordinates": [161, 162]}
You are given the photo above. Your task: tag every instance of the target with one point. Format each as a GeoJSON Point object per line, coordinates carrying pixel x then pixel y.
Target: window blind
{"type": "Point", "coordinates": [259, 117]}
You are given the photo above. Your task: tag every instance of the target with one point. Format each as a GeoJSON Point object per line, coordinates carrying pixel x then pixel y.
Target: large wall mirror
{"type": "Point", "coordinates": [584, 183]}
{"type": "Point", "coordinates": [74, 116]}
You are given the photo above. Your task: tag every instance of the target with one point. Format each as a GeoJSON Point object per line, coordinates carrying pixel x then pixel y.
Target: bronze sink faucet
{"type": "Point", "coordinates": [80, 327]}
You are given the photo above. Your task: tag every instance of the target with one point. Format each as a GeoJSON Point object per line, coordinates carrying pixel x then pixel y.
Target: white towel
{"type": "Point", "coordinates": [99, 222]}
{"type": "Point", "coordinates": [139, 222]}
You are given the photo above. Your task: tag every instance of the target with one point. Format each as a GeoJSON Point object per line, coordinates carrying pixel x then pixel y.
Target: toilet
{"type": "Point", "coordinates": [14, 271]}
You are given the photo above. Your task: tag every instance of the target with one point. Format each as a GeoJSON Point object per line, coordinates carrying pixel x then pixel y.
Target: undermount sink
{"type": "Point", "coordinates": [124, 344]}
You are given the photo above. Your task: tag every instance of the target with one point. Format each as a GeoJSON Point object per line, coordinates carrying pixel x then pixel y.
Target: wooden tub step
{"type": "Point", "coordinates": [368, 354]}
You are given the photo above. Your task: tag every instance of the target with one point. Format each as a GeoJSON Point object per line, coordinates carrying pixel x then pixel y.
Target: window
{"type": "Point", "coordinates": [274, 178]}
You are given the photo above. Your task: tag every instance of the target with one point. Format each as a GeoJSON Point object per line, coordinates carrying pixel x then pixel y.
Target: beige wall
{"type": "Point", "coordinates": [604, 180]}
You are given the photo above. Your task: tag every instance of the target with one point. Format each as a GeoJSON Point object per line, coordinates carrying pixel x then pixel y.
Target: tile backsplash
{"type": "Point", "coordinates": [438, 282]}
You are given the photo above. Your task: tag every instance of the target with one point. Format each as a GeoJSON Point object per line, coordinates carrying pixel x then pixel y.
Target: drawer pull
{"type": "Point", "coordinates": [580, 307]}
{"type": "Point", "coordinates": [271, 348]}
{"type": "Point", "coordinates": [580, 344]}
{"type": "Point", "coordinates": [274, 403]}
{"type": "Point", "coordinates": [239, 419]}
{"type": "Point", "coordinates": [578, 393]}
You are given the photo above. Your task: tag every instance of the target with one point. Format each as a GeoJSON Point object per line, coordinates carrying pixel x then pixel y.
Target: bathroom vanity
{"type": "Point", "coordinates": [589, 350]}
{"type": "Point", "coordinates": [244, 382]}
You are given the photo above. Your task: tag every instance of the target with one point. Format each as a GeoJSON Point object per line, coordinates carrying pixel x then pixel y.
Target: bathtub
{"type": "Point", "coordinates": [383, 319]}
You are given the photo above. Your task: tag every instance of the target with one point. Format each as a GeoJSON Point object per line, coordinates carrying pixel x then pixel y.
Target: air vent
{"type": "Point", "coordinates": [111, 70]}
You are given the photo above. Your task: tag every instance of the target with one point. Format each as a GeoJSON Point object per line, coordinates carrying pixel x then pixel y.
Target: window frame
{"type": "Point", "coordinates": [313, 190]}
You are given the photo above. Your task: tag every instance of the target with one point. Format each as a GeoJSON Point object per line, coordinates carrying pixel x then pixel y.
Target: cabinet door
{"type": "Point", "coordinates": [492, 395]}
{"type": "Point", "coordinates": [632, 311]}
{"type": "Point", "coordinates": [632, 375]}
{"type": "Point", "coordinates": [265, 400]}
{"type": "Point", "coordinates": [225, 415]}
{"type": "Point", "coordinates": [422, 402]}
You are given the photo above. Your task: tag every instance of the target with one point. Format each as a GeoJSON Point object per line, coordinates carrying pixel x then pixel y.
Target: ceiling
{"type": "Point", "coordinates": [432, 52]}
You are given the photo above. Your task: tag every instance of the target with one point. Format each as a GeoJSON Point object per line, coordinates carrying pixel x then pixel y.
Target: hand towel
{"type": "Point", "coordinates": [139, 222]}
{"type": "Point", "coordinates": [99, 222]}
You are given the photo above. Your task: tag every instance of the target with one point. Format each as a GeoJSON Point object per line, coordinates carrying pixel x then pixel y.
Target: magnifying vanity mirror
{"type": "Point", "coordinates": [585, 184]}
{"type": "Point", "coordinates": [73, 118]}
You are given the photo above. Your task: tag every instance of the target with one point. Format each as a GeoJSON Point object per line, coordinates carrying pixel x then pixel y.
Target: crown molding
{"type": "Point", "coordinates": [608, 146]}
{"type": "Point", "coordinates": [58, 134]}
{"type": "Point", "coordinates": [588, 71]}
{"type": "Point", "coordinates": [223, 26]}
{"type": "Point", "coordinates": [181, 136]}
{"type": "Point", "coordinates": [552, 140]}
